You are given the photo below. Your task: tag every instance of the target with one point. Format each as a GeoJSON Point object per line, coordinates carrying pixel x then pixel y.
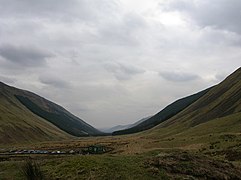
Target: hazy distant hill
{"type": "Point", "coordinates": [27, 116]}
{"type": "Point", "coordinates": [122, 127]}
{"type": "Point", "coordinates": [164, 114]}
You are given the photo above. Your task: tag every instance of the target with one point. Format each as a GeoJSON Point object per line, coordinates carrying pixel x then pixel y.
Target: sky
{"type": "Point", "coordinates": [114, 62]}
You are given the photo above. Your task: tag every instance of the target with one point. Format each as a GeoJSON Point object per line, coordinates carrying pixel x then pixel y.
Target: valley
{"type": "Point", "coordinates": [201, 141]}
{"type": "Point", "coordinates": [120, 90]}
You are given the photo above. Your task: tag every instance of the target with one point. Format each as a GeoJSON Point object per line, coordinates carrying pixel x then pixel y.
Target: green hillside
{"type": "Point", "coordinates": [59, 117]}
{"type": "Point", "coordinates": [18, 124]}
{"type": "Point", "coordinates": [25, 116]}
{"type": "Point", "coordinates": [219, 101]}
{"type": "Point", "coordinates": [217, 112]}
{"type": "Point", "coordinates": [164, 114]}
{"type": "Point", "coordinates": [222, 100]}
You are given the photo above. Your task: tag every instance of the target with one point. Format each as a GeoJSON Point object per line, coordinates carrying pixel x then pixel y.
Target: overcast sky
{"type": "Point", "coordinates": [114, 62]}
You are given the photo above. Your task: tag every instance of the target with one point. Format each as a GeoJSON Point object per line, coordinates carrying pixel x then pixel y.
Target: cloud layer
{"type": "Point", "coordinates": [115, 62]}
{"type": "Point", "coordinates": [178, 76]}
{"type": "Point", "coordinates": [219, 14]}
{"type": "Point", "coordinates": [24, 56]}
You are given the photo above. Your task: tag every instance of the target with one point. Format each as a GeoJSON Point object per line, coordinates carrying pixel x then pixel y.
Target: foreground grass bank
{"type": "Point", "coordinates": [152, 165]}
{"type": "Point", "coordinates": [85, 167]}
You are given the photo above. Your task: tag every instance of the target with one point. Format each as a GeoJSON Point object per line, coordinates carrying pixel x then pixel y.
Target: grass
{"type": "Point", "coordinates": [10, 170]}
{"type": "Point", "coordinates": [31, 170]}
{"type": "Point", "coordinates": [158, 164]}
{"type": "Point", "coordinates": [87, 167]}
{"type": "Point", "coordinates": [191, 166]}
{"type": "Point", "coordinates": [100, 167]}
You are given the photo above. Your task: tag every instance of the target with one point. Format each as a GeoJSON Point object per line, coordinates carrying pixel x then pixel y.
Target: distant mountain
{"type": "Point", "coordinates": [114, 128]}
{"type": "Point", "coordinates": [122, 127]}
{"type": "Point", "coordinates": [27, 116]}
{"type": "Point", "coordinates": [168, 112]}
{"type": "Point", "coordinates": [140, 121]}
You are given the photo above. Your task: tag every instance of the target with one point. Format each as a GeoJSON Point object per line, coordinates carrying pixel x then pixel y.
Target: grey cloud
{"type": "Point", "coordinates": [178, 76]}
{"type": "Point", "coordinates": [6, 79]}
{"type": "Point", "coordinates": [126, 31]}
{"type": "Point", "coordinates": [54, 81]}
{"type": "Point", "coordinates": [220, 14]}
{"type": "Point", "coordinates": [57, 9]}
{"type": "Point", "coordinates": [24, 56]}
{"type": "Point", "coordinates": [123, 71]}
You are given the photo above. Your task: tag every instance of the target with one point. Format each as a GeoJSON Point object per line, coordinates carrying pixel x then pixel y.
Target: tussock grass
{"type": "Point", "coordinates": [31, 170]}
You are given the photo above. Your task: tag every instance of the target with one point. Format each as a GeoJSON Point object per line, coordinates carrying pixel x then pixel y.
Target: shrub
{"type": "Point", "coordinates": [31, 170]}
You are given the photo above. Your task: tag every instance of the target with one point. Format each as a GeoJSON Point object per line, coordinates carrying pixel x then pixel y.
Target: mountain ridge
{"type": "Point", "coordinates": [163, 115]}
{"type": "Point", "coordinates": [14, 111]}
{"type": "Point", "coordinates": [223, 100]}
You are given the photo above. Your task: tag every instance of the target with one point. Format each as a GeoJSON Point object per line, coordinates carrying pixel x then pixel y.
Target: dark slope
{"type": "Point", "coordinates": [60, 118]}
{"type": "Point", "coordinates": [221, 101]}
{"type": "Point", "coordinates": [164, 114]}
{"type": "Point", "coordinates": [18, 124]}
{"type": "Point", "coordinates": [43, 109]}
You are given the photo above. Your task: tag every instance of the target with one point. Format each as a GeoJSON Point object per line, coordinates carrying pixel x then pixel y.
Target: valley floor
{"type": "Point", "coordinates": [140, 156]}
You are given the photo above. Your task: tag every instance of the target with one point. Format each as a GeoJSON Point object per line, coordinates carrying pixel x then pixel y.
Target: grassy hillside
{"type": "Point", "coordinates": [168, 112]}
{"type": "Point", "coordinates": [18, 124]}
{"type": "Point", "coordinates": [25, 116]}
{"type": "Point", "coordinates": [58, 116]}
{"type": "Point", "coordinates": [213, 121]}
{"type": "Point", "coordinates": [219, 101]}
{"type": "Point", "coordinates": [222, 100]}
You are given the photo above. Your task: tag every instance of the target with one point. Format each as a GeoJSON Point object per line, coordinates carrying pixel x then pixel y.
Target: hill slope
{"type": "Point", "coordinates": [164, 114]}
{"type": "Point", "coordinates": [217, 112]}
{"type": "Point", "coordinates": [18, 124]}
{"type": "Point", "coordinates": [221, 101]}
{"type": "Point", "coordinates": [25, 116]}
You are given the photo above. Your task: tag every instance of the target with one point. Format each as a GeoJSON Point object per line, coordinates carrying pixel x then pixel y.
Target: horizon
{"type": "Point", "coordinates": [115, 62]}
